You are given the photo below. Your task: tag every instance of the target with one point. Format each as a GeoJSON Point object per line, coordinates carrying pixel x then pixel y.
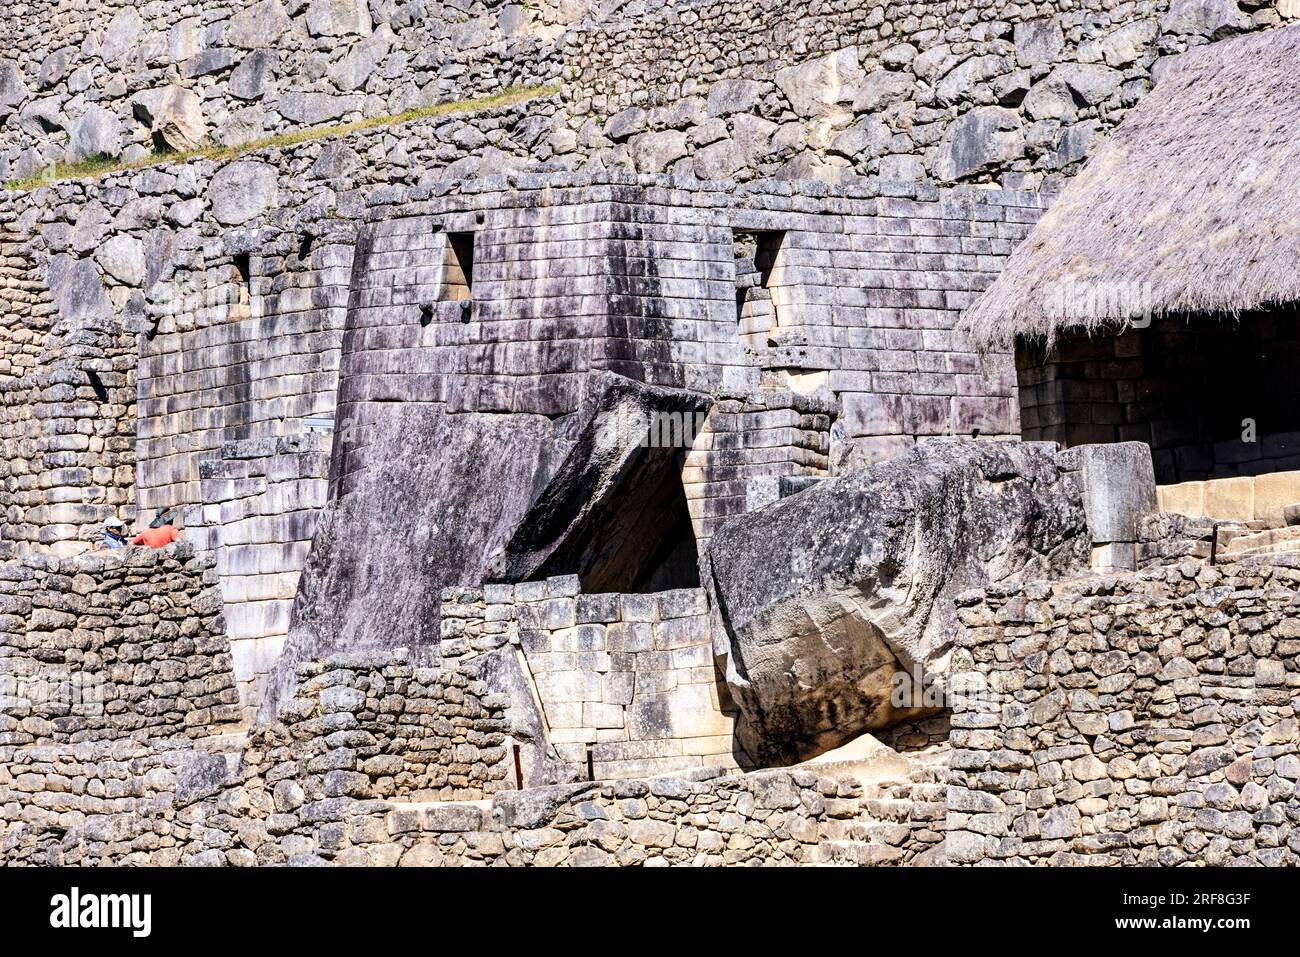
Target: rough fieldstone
{"type": "Point", "coordinates": [13, 88]}
{"type": "Point", "coordinates": [96, 133]}
{"type": "Point", "coordinates": [1038, 41]}
{"type": "Point", "coordinates": [252, 78]}
{"type": "Point", "coordinates": [178, 121]}
{"type": "Point", "coordinates": [979, 140]}
{"type": "Point", "coordinates": [242, 191]}
{"type": "Point", "coordinates": [1207, 18]}
{"type": "Point", "coordinates": [259, 25]}
{"type": "Point", "coordinates": [733, 96]}
{"type": "Point", "coordinates": [77, 290]}
{"type": "Point", "coordinates": [122, 257]}
{"type": "Point", "coordinates": [338, 18]}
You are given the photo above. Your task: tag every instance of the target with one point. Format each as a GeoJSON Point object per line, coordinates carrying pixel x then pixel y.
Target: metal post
{"type": "Point", "coordinates": [519, 770]}
{"type": "Point", "coordinates": [1214, 544]}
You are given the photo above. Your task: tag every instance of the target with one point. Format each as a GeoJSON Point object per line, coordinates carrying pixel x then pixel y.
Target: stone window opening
{"type": "Point", "coordinates": [243, 300]}
{"type": "Point", "coordinates": [458, 275]}
{"type": "Point", "coordinates": [757, 309]}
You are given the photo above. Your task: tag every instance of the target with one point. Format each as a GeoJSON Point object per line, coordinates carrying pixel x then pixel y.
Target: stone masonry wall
{"type": "Point", "coordinates": [1010, 92]}
{"type": "Point", "coordinates": [1148, 718]}
{"type": "Point", "coordinates": [869, 287]}
{"type": "Point", "coordinates": [375, 762]}
{"type": "Point", "coordinates": [261, 504]}
{"type": "Point", "coordinates": [627, 678]}
{"type": "Point", "coordinates": [110, 645]}
{"type": "Point", "coordinates": [79, 80]}
{"type": "Point", "coordinates": [748, 445]}
{"type": "Point", "coordinates": [141, 268]}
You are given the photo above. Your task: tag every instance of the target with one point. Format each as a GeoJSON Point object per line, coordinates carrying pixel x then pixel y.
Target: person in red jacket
{"type": "Point", "coordinates": [160, 533]}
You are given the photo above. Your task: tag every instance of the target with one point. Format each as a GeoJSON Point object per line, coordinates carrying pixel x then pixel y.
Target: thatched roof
{"type": "Point", "coordinates": [1193, 205]}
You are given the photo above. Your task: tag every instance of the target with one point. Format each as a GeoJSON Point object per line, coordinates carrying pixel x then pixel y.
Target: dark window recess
{"type": "Point", "coordinates": [243, 279]}
{"type": "Point", "coordinates": [304, 248]}
{"type": "Point", "coordinates": [458, 278]}
{"type": "Point", "coordinates": [756, 312]}
{"type": "Point", "coordinates": [1185, 386]}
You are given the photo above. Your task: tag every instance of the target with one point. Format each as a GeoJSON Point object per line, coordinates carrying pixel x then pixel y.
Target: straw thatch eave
{"type": "Point", "coordinates": [1192, 206]}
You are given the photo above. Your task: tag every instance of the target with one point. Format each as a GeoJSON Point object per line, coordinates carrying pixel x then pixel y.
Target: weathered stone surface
{"type": "Point", "coordinates": [982, 138]}
{"type": "Point", "coordinates": [822, 85]}
{"type": "Point", "coordinates": [122, 257]}
{"type": "Point", "coordinates": [1207, 18]}
{"type": "Point", "coordinates": [823, 597]}
{"type": "Point", "coordinates": [1119, 487]}
{"type": "Point", "coordinates": [358, 591]}
{"type": "Point", "coordinates": [178, 121]}
{"type": "Point", "coordinates": [95, 133]}
{"type": "Point", "coordinates": [78, 291]}
{"type": "Point", "coordinates": [253, 77]}
{"type": "Point", "coordinates": [338, 18]}
{"type": "Point", "coordinates": [242, 191]}
{"type": "Point", "coordinates": [1038, 41]}
{"type": "Point", "coordinates": [13, 88]}
{"type": "Point", "coordinates": [258, 25]}
{"type": "Point", "coordinates": [353, 70]}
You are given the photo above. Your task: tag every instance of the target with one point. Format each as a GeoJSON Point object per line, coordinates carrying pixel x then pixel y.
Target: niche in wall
{"type": "Point", "coordinates": [757, 258]}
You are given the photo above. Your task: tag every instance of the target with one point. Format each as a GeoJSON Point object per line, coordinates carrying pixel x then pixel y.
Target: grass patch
{"type": "Point", "coordinates": [103, 164]}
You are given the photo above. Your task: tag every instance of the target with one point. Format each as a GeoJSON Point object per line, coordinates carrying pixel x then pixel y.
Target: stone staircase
{"type": "Point", "coordinates": [1243, 543]}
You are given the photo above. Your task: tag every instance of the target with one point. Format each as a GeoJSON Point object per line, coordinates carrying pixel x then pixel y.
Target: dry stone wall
{"type": "Point", "coordinates": [376, 762]}
{"type": "Point", "coordinates": [121, 78]}
{"type": "Point", "coordinates": [123, 643]}
{"type": "Point", "coordinates": [1139, 719]}
{"type": "Point", "coordinates": [1017, 93]}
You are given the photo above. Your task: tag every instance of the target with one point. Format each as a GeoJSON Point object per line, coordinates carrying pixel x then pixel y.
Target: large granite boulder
{"type": "Point", "coordinates": [825, 600]}
{"type": "Point", "coordinates": [444, 493]}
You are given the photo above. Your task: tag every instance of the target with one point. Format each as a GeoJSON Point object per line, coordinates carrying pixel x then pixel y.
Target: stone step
{"type": "Point", "coordinates": [1268, 541]}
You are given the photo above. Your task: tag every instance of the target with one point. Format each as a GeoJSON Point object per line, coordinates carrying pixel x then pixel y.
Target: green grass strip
{"type": "Point", "coordinates": [101, 165]}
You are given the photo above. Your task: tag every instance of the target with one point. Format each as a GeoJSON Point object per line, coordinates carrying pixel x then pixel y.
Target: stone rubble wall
{"type": "Point", "coordinates": [375, 762]}
{"type": "Point", "coordinates": [127, 643]}
{"type": "Point", "coordinates": [628, 678]}
{"type": "Point", "coordinates": [1010, 92]}
{"type": "Point", "coordinates": [1148, 718]}
{"type": "Point", "coordinates": [77, 80]}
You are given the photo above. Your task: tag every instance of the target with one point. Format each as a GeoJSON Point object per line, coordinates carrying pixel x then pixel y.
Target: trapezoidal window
{"type": "Point", "coordinates": [458, 276]}
{"type": "Point", "coordinates": [757, 310]}
{"type": "Point", "coordinates": [242, 305]}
